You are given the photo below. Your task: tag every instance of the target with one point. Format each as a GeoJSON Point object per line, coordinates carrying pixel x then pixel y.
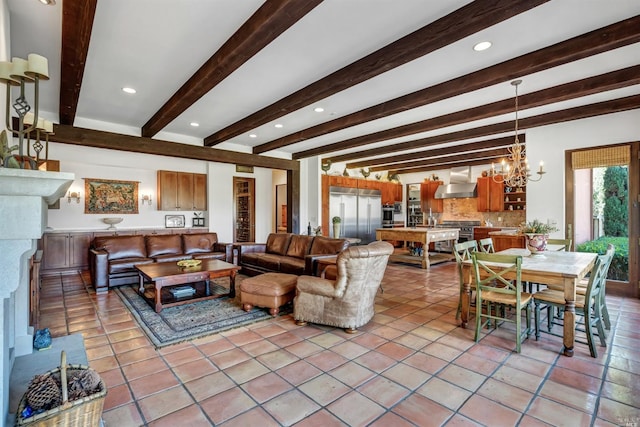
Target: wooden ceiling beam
{"type": "Point", "coordinates": [77, 22]}
{"type": "Point", "coordinates": [582, 112]}
{"type": "Point", "coordinates": [472, 18]}
{"type": "Point", "coordinates": [458, 157]}
{"type": "Point", "coordinates": [474, 146]}
{"type": "Point", "coordinates": [598, 41]}
{"type": "Point", "coordinates": [114, 141]}
{"type": "Point", "coordinates": [604, 82]}
{"type": "Point", "coordinates": [441, 166]}
{"type": "Point", "coordinates": [264, 26]}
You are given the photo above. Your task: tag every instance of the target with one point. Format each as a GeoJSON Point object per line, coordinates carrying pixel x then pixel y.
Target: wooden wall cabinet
{"type": "Point", "coordinates": [244, 209]}
{"type": "Point", "coordinates": [490, 195]}
{"type": "Point", "coordinates": [181, 191]}
{"type": "Point", "coordinates": [66, 250]}
{"type": "Point", "coordinates": [427, 197]}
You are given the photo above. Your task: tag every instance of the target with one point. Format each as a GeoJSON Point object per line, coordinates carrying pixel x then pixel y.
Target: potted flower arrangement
{"type": "Point", "coordinates": [336, 226]}
{"type": "Point", "coordinates": [536, 234]}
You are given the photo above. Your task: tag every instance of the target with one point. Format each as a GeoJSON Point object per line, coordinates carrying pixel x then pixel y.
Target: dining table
{"type": "Point", "coordinates": [556, 269]}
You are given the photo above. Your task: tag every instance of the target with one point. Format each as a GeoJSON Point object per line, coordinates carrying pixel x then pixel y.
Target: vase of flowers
{"type": "Point", "coordinates": [336, 226]}
{"type": "Point", "coordinates": [536, 234]}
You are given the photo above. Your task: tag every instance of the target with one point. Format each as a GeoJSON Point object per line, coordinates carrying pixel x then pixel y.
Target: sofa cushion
{"type": "Point", "coordinates": [299, 245]}
{"type": "Point", "coordinates": [163, 244]}
{"type": "Point", "coordinates": [292, 265]}
{"type": "Point", "coordinates": [126, 264]}
{"type": "Point", "coordinates": [118, 247]}
{"type": "Point", "coordinates": [278, 243]}
{"type": "Point", "coordinates": [328, 246]}
{"type": "Point", "coordinates": [171, 257]}
{"type": "Point", "coordinates": [210, 255]}
{"type": "Point", "coordinates": [265, 261]}
{"type": "Point", "coordinates": [197, 243]}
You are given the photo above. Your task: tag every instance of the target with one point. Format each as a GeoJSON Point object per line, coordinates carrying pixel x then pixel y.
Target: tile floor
{"type": "Point", "coordinates": [411, 365]}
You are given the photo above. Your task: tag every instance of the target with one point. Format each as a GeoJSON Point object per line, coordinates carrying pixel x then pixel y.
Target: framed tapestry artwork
{"type": "Point", "coordinates": [103, 196]}
{"type": "Point", "coordinates": [174, 221]}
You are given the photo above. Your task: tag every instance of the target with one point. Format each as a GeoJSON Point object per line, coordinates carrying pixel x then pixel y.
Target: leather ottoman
{"type": "Point", "coordinates": [271, 290]}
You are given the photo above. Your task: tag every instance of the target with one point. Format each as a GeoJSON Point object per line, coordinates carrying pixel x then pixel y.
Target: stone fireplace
{"type": "Point", "coordinates": [24, 199]}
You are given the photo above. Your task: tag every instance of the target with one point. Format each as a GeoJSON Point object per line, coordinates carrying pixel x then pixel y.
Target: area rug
{"type": "Point", "coordinates": [189, 321]}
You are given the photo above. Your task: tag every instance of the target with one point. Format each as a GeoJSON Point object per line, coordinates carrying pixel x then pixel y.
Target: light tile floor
{"type": "Point", "coordinates": [411, 365]}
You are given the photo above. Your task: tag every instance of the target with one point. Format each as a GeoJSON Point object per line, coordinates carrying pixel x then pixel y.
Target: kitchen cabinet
{"type": "Point", "coordinates": [181, 191]}
{"type": "Point", "coordinates": [427, 197]}
{"type": "Point", "coordinates": [66, 250]}
{"type": "Point", "coordinates": [506, 241]}
{"type": "Point", "coordinates": [490, 195]}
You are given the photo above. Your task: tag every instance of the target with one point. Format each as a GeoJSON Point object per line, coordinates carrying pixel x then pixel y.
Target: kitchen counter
{"type": "Point", "coordinates": [424, 235]}
{"type": "Point", "coordinates": [484, 232]}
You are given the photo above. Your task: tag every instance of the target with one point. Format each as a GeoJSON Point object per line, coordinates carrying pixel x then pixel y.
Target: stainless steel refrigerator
{"type": "Point", "coordinates": [360, 211]}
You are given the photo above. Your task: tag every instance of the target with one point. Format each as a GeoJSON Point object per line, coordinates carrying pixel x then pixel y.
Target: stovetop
{"type": "Point", "coordinates": [465, 227]}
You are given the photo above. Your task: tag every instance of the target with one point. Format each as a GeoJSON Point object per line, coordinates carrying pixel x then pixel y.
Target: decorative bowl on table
{"type": "Point", "coordinates": [112, 222]}
{"type": "Point", "coordinates": [189, 263]}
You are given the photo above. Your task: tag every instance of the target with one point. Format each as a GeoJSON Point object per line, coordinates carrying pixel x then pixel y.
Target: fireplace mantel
{"type": "Point", "coordinates": [24, 199]}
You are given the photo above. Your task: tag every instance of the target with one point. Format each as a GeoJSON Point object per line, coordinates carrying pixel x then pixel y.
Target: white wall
{"type": "Point", "coordinates": [88, 162]}
{"type": "Point", "coordinates": [545, 199]}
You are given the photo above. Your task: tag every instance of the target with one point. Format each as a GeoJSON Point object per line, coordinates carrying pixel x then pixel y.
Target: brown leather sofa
{"type": "Point", "coordinates": [287, 253]}
{"type": "Point", "coordinates": [112, 258]}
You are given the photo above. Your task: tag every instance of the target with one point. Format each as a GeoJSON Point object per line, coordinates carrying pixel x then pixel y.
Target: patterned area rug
{"type": "Point", "coordinates": [188, 321]}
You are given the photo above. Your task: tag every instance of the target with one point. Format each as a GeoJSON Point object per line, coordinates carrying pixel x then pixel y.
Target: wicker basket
{"type": "Point", "coordinates": [83, 412]}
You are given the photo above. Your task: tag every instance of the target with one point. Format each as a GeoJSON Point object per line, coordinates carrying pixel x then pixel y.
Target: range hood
{"type": "Point", "coordinates": [460, 185]}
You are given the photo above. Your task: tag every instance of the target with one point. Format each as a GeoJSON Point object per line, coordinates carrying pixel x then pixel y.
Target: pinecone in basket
{"type": "Point", "coordinates": [82, 383]}
{"type": "Point", "coordinates": [43, 393]}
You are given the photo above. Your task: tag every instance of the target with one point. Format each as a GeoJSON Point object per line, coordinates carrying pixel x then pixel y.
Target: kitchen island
{"type": "Point", "coordinates": [424, 235]}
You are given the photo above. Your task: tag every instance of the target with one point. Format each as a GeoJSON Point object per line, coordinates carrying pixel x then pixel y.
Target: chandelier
{"type": "Point", "coordinates": [18, 73]}
{"type": "Point", "coordinates": [515, 171]}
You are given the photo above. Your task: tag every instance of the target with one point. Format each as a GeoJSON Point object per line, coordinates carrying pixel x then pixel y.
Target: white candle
{"type": "Point", "coordinates": [37, 65]}
{"type": "Point", "coordinates": [541, 166]}
{"type": "Point", "coordinates": [19, 68]}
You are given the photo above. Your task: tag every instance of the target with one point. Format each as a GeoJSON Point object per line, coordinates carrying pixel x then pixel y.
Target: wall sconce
{"type": "Point", "coordinates": [73, 195]}
{"type": "Point", "coordinates": [146, 198]}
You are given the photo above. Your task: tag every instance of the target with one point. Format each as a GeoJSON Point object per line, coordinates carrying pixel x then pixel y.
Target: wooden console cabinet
{"type": "Point", "coordinates": [66, 251]}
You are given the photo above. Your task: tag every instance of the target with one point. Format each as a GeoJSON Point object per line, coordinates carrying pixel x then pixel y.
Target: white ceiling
{"type": "Point", "coordinates": [155, 46]}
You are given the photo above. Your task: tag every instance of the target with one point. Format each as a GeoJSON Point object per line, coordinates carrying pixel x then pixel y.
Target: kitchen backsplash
{"type": "Point", "coordinates": [467, 210]}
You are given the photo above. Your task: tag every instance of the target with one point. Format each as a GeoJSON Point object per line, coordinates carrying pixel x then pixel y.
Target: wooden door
{"type": "Point", "coordinates": [79, 249]}
{"type": "Point", "coordinates": [427, 197]}
{"type": "Point", "coordinates": [167, 190]}
{"type": "Point", "coordinates": [244, 209]}
{"type": "Point", "coordinates": [185, 192]}
{"type": "Point", "coordinates": [199, 192]}
{"type": "Point", "coordinates": [55, 249]}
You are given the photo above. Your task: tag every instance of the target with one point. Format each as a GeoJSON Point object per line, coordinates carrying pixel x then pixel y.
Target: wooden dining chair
{"type": "Point", "coordinates": [587, 305]}
{"type": "Point", "coordinates": [486, 245]}
{"type": "Point", "coordinates": [581, 289]}
{"type": "Point", "coordinates": [565, 242]}
{"type": "Point", "coordinates": [506, 272]}
{"type": "Point", "coordinates": [462, 252]}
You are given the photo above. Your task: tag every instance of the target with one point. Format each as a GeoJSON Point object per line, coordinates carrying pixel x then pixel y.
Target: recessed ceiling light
{"type": "Point", "coordinates": [278, 125]}
{"type": "Point", "coordinates": [482, 46]}
{"type": "Point", "coordinates": [194, 124]}
{"type": "Point", "coordinates": [318, 109]}
{"type": "Point", "coordinates": [253, 135]}
{"type": "Point", "coordinates": [48, 2]}
{"type": "Point", "coordinates": [128, 90]}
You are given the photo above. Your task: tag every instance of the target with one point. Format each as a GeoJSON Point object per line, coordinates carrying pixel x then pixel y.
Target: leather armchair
{"type": "Point", "coordinates": [346, 302]}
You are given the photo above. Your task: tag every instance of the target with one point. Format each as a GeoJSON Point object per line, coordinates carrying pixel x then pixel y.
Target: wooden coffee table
{"type": "Point", "coordinates": [164, 275]}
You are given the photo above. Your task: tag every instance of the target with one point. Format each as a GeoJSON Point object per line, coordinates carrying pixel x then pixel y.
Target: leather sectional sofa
{"type": "Point", "coordinates": [111, 258]}
{"type": "Point", "coordinates": [287, 253]}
